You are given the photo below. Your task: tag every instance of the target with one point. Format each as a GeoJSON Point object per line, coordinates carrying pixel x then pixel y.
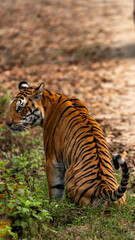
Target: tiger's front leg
{"type": "Point", "coordinates": [56, 179]}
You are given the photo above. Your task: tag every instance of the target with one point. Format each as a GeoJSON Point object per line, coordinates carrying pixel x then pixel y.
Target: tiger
{"type": "Point", "coordinates": [77, 156]}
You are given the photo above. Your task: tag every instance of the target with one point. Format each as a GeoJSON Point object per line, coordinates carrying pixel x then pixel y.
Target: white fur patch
{"type": "Point", "coordinates": [24, 85]}
{"type": "Point", "coordinates": [11, 103]}
{"type": "Point", "coordinates": [20, 103]}
{"type": "Point", "coordinates": [121, 160]}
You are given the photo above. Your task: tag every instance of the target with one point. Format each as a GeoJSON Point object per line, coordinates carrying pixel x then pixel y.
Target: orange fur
{"type": "Point", "coordinates": [76, 151]}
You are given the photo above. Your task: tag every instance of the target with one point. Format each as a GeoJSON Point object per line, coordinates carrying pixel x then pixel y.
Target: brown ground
{"type": "Point", "coordinates": [83, 48]}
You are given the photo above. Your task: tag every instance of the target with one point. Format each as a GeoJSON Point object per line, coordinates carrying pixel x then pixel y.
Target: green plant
{"type": "Point", "coordinates": [28, 213]}
{"type": "Point", "coordinates": [25, 198]}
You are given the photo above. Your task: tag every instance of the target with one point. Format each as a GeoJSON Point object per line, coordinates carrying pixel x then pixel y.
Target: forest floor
{"type": "Point", "coordinates": [79, 48]}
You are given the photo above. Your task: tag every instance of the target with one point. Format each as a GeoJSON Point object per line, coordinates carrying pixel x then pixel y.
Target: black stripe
{"type": "Point", "coordinates": [22, 98]}
{"type": "Point", "coordinates": [86, 190]}
{"type": "Point", "coordinates": [66, 127]}
{"type": "Point", "coordinates": [49, 92]}
{"type": "Point", "coordinates": [67, 180]}
{"type": "Point", "coordinates": [125, 170]}
{"type": "Point", "coordinates": [29, 110]}
{"type": "Point", "coordinates": [70, 129]}
{"type": "Point", "coordinates": [84, 145]}
{"type": "Point", "coordinates": [125, 175]}
{"type": "Point", "coordinates": [74, 99]}
{"type": "Point", "coordinates": [82, 158]}
{"type": "Point", "coordinates": [89, 167]}
{"type": "Point", "coordinates": [67, 100]}
{"type": "Point", "coordinates": [97, 129]}
{"type": "Point", "coordinates": [60, 98]}
{"type": "Point", "coordinates": [121, 190]}
{"type": "Point", "coordinates": [101, 144]}
{"type": "Point", "coordinates": [106, 154]}
{"type": "Point", "coordinates": [106, 161]}
{"type": "Point", "coordinates": [124, 184]}
{"type": "Point", "coordinates": [70, 153]}
{"type": "Point", "coordinates": [65, 110]}
{"type": "Point", "coordinates": [87, 143]}
{"type": "Point", "coordinates": [91, 158]}
{"type": "Point", "coordinates": [79, 106]}
{"type": "Point", "coordinates": [58, 186]}
{"type": "Point", "coordinates": [79, 143]}
{"type": "Point", "coordinates": [84, 150]}
{"type": "Point", "coordinates": [105, 166]}
{"type": "Point", "coordinates": [99, 136]}
{"type": "Point", "coordinates": [110, 176]}
{"type": "Point", "coordinates": [28, 92]}
{"type": "Point", "coordinates": [43, 102]}
{"type": "Point", "coordinates": [69, 142]}
{"type": "Point", "coordinates": [25, 95]}
{"type": "Point", "coordinates": [86, 174]}
{"type": "Point", "coordinates": [50, 99]}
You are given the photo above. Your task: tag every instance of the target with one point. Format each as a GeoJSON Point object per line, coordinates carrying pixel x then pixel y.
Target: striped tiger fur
{"type": "Point", "coordinates": [76, 151]}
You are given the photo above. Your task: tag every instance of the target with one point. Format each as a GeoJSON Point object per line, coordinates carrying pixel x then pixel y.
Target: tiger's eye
{"type": "Point", "coordinates": [20, 109]}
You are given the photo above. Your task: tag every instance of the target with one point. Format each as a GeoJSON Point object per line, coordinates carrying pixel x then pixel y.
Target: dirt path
{"type": "Point", "coordinates": [82, 48]}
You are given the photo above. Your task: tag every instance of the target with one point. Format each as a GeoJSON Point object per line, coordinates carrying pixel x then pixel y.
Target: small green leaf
{"type": "Point", "coordinates": [24, 224]}
{"type": "Point", "coordinates": [25, 210]}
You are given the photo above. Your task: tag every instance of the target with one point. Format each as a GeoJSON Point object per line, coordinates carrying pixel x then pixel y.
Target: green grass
{"type": "Point", "coordinates": [26, 199]}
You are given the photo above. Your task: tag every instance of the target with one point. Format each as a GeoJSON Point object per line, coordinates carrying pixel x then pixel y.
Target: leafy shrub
{"type": "Point", "coordinates": [25, 190]}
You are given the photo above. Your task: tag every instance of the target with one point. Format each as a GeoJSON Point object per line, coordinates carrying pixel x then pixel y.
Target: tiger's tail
{"type": "Point", "coordinates": [119, 192]}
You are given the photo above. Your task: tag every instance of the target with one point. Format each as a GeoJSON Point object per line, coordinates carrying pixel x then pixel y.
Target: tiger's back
{"type": "Point", "coordinates": [76, 151]}
{"type": "Point", "coordinates": [89, 174]}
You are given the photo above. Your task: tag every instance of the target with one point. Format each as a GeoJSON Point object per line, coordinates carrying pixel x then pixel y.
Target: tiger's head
{"type": "Point", "coordinates": [26, 109]}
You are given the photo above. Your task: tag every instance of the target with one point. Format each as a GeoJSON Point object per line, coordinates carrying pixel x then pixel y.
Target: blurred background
{"type": "Point", "coordinates": [81, 48]}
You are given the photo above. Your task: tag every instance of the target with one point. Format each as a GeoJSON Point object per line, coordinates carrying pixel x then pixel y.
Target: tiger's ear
{"type": "Point", "coordinates": [38, 92]}
{"type": "Point", "coordinates": [23, 85]}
